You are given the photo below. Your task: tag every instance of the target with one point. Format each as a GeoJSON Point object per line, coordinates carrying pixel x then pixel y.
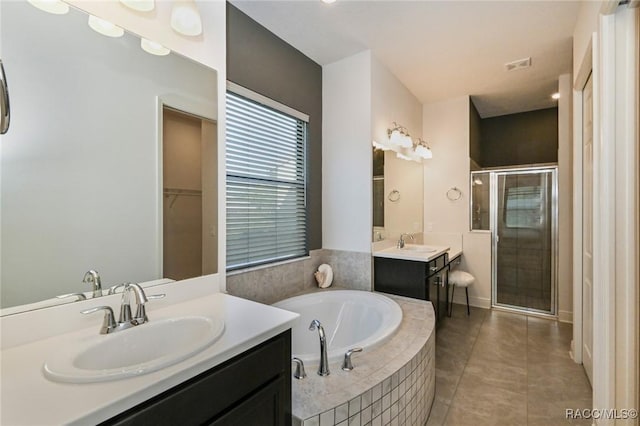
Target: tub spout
{"type": "Point", "coordinates": [323, 369]}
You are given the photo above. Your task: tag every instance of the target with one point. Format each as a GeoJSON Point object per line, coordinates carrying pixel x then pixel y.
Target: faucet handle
{"type": "Point", "coordinates": [113, 289]}
{"type": "Point", "coordinates": [156, 296]}
{"type": "Point", "coordinates": [80, 296]}
{"type": "Point", "coordinates": [346, 364]}
{"type": "Point", "coordinates": [108, 323]}
{"type": "Point", "coordinates": [300, 373]}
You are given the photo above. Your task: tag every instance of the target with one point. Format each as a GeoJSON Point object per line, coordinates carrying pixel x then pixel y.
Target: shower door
{"type": "Point", "coordinates": [524, 239]}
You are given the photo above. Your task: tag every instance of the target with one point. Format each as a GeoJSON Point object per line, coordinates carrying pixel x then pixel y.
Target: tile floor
{"type": "Point", "coordinates": [498, 368]}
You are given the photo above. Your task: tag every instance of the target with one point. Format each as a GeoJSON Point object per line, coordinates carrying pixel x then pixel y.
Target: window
{"type": "Point", "coordinates": [266, 181]}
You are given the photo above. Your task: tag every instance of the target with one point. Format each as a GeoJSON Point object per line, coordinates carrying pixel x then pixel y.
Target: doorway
{"type": "Point", "coordinates": [189, 207]}
{"type": "Point", "coordinates": [524, 226]}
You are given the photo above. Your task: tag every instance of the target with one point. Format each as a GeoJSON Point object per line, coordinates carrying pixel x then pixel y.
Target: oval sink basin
{"type": "Point", "coordinates": [133, 352]}
{"type": "Point", "coordinates": [419, 248]}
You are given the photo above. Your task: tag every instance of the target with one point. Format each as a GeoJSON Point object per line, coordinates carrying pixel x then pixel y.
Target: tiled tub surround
{"type": "Point", "coordinates": [269, 284]}
{"type": "Point", "coordinates": [393, 384]}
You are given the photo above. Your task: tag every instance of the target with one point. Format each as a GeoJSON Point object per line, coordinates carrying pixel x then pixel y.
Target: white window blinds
{"type": "Point", "coordinates": [266, 184]}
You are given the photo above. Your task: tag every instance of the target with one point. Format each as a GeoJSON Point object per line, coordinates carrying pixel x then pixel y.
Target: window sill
{"type": "Point", "coordinates": [266, 265]}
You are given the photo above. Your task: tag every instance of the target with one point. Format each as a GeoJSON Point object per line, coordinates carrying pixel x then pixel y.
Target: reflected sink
{"type": "Point", "coordinates": [418, 248]}
{"type": "Point", "coordinates": [133, 352]}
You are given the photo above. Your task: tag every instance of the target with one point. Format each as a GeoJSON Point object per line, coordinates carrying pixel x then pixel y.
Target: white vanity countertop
{"type": "Point", "coordinates": [28, 398]}
{"type": "Point", "coordinates": [407, 254]}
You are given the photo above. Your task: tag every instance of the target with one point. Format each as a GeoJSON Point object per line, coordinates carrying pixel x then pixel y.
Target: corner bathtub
{"type": "Point", "coordinates": [350, 319]}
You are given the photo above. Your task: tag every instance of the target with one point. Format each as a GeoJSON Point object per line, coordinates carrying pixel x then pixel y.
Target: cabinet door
{"type": "Point", "coordinates": [264, 408]}
{"type": "Point", "coordinates": [401, 277]}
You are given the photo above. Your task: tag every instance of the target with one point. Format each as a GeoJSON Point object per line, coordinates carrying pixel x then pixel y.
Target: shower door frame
{"type": "Point", "coordinates": [494, 174]}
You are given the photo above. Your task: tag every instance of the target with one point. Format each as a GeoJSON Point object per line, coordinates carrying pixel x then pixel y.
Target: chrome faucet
{"type": "Point", "coordinates": [323, 369]}
{"type": "Point", "coordinates": [125, 320]}
{"type": "Point", "coordinates": [347, 365]}
{"type": "Point", "coordinates": [401, 240]}
{"type": "Point", "coordinates": [92, 277]}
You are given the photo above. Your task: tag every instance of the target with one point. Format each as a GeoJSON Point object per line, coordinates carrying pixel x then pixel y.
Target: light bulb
{"type": "Point", "coordinates": [395, 138]}
{"type": "Point", "coordinates": [555, 96]}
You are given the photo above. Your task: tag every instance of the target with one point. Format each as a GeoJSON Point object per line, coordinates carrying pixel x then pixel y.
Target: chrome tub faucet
{"type": "Point", "coordinates": [323, 369]}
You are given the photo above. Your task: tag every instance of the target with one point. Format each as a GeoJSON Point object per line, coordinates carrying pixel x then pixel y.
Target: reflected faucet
{"type": "Point", "coordinates": [401, 240]}
{"type": "Point", "coordinates": [323, 368]}
{"type": "Point", "coordinates": [92, 277]}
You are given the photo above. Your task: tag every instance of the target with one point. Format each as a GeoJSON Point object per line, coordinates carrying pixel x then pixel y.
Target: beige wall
{"type": "Point", "coordinates": [392, 101]}
{"type": "Point", "coordinates": [446, 128]}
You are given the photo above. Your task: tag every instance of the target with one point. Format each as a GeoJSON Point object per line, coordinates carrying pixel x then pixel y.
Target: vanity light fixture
{"type": "Point", "coordinates": [153, 47]}
{"type": "Point", "coordinates": [139, 5]}
{"type": "Point", "coordinates": [104, 27]}
{"type": "Point", "coordinates": [399, 136]}
{"type": "Point", "coordinates": [52, 6]}
{"type": "Point", "coordinates": [185, 18]}
{"type": "Point", "coordinates": [422, 149]}
{"type": "Point", "coordinates": [382, 146]}
{"type": "Point", "coordinates": [555, 96]}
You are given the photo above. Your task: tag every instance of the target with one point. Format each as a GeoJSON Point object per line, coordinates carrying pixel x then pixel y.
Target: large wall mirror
{"type": "Point", "coordinates": [109, 163]}
{"type": "Point", "coordinates": [398, 196]}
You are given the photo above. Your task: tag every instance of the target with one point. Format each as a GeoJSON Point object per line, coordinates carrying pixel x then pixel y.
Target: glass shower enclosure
{"type": "Point", "coordinates": [523, 216]}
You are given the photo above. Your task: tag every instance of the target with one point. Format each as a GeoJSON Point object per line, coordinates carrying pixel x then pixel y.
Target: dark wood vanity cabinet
{"type": "Point", "coordinates": [419, 280]}
{"type": "Point", "coordinates": [253, 388]}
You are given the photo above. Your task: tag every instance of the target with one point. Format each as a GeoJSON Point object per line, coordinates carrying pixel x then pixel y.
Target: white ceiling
{"type": "Point", "coordinates": [438, 49]}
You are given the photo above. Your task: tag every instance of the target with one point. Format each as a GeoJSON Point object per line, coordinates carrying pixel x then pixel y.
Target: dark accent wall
{"type": "Point", "coordinates": [475, 123]}
{"type": "Point", "coordinates": [517, 139]}
{"type": "Point", "coordinates": [260, 61]}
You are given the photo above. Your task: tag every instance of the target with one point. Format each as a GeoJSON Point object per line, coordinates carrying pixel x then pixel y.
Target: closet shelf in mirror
{"type": "Point", "coordinates": [176, 192]}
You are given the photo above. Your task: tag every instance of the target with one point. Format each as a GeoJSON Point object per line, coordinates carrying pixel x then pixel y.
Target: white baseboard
{"type": "Point", "coordinates": [565, 316]}
{"type": "Point", "coordinates": [478, 302]}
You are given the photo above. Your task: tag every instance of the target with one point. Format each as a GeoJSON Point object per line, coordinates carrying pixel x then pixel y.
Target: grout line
{"type": "Point", "coordinates": [455, 391]}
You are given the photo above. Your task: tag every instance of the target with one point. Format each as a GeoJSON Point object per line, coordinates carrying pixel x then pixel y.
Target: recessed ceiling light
{"type": "Point", "coordinates": [139, 5]}
{"type": "Point", "coordinates": [52, 6]}
{"type": "Point", "coordinates": [328, 1]}
{"type": "Point", "coordinates": [555, 96]}
{"type": "Point", "coordinates": [153, 47]}
{"type": "Point", "coordinates": [105, 27]}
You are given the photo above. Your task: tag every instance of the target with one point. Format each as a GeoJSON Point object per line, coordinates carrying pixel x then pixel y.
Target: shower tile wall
{"type": "Point", "coordinates": [351, 270]}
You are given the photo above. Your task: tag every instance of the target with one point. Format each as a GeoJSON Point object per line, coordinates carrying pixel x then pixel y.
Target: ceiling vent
{"type": "Point", "coordinates": [518, 65]}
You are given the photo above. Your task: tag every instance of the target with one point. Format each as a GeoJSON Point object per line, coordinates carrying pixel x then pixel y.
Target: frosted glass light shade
{"type": "Point", "coordinates": [139, 5]}
{"type": "Point", "coordinates": [424, 152]}
{"type": "Point", "coordinates": [185, 18]}
{"type": "Point", "coordinates": [380, 145]}
{"type": "Point", "coordinates": [52, 6]}
{"type": "Point", "coordinates": [406, 141]}
{"type": "Point", "coordinates": [104, 27]}
{"type": "Point", "coordinates": [153, 47]}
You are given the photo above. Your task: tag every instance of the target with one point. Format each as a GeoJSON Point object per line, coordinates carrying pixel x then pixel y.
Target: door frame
{"type": "Point", "coordinates": [494, 174]}
{"type": "Point", "coordinates": [614, 61]}
{"type": "Point", "coordinates": [196, 107]}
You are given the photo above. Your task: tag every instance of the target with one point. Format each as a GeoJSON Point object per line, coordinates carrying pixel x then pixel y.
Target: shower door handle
{"type": "Point", "coordinates": [5, 112]}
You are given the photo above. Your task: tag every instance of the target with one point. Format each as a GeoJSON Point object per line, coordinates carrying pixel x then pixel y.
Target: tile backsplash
{"type": "Point", "coordinates": [269, 284]}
